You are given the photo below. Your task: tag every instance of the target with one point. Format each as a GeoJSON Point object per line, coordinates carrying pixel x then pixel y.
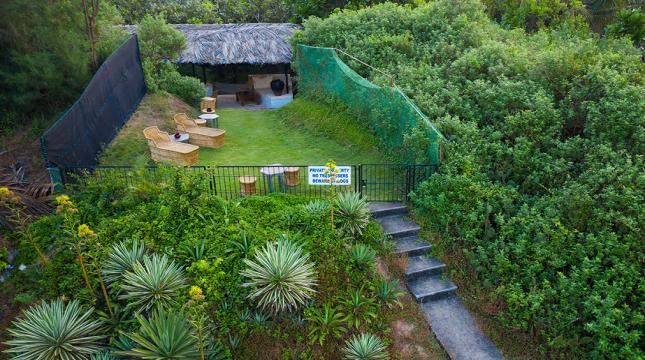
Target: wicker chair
{"type": "Point", "coordinates": [164, 150]}
{"type": "Point", "coordinates": [202, 136]}
{"type": "Point", "coordinates": [183, 117]}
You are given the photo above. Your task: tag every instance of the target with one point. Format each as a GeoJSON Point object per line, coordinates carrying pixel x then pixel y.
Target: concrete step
{"type": "Point", "coordinates": [457, 331]}
{"type": "Point", "coordinates": [427, 288]}
{"type": "Point", "coordinates": [411, 246]}
{"type": "Point", "coordinates": [398, 226]}
{"type": "Point", "coordinates": [379, 210]}
{"type": "Point", "coordinates": [423, 265]}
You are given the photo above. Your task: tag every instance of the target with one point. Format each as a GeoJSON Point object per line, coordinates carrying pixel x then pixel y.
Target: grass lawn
{"type": "Point", "coordinates": [298, 134]}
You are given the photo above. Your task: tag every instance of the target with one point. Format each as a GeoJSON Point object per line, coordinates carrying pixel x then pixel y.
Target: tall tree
{"type": "Point", "coordinates": [90, 29]}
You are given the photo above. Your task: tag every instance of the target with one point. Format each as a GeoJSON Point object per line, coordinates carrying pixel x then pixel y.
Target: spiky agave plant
{"type": "Point", "coordinates": [53, 330]}
{"type": "Point", "coordinates": [352, 214]}
{"type": "Point", "coordinates": [281, 276]}
{"type": "Point", "coordinates": [316, 207]}
{"type": "Point", "coordinates": [365, 347]}
{"type": "Point", "coordinates": [363, 254]}
{"type": "Point", "coordinates": [165, 335]}
{"type": "Point", "coordinates": [121, 259]}
{"type": "Point", "coordinates": [152, 283]}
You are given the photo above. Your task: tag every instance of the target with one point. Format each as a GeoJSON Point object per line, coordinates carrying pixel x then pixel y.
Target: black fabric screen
{"type": "Point", "coordinates": [108, 101]}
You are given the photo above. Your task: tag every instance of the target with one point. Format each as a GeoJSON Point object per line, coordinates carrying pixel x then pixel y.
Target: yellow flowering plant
{"type": "Point", "coordinates": [10, 201]}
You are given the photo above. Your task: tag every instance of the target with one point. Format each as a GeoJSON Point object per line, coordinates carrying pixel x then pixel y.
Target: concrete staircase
{"type": "Point", "coordinates": [450, 321]}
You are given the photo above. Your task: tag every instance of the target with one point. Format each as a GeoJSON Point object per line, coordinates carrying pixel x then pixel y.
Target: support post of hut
{"type": "Point", "coordinates": [194, 74]}
{"type": "Point", "coordinates": [286, 76]}
{"type": "Point", "coordinates": [204, 73]}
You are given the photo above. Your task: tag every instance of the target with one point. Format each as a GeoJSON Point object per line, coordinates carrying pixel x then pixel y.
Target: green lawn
{"type": "Point", "coordinates": [302, 133]}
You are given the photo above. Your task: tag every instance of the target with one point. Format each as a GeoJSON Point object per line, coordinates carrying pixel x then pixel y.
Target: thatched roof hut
{"type": "Point", "coordinates": [226, 44]}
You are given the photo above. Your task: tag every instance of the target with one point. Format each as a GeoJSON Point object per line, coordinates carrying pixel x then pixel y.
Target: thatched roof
{"type": "Point", "coordinates": [220, 44]}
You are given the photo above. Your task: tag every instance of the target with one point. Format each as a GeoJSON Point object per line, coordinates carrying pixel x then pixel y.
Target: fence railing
{"type": "Point", "coordinates": [375, 182]}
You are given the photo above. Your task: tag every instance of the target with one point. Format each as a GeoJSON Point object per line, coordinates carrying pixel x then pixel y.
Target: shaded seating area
{"type": "Point", "coordinates": [198, 135]}
{"type": "Point", "coordinates": [165, 150]}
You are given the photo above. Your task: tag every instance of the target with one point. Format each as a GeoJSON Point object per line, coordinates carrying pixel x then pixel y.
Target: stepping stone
{"type": "Point", "coordinates": [412, 246]}
{"type": "Point", "coordinates": [457, 330]}
{"type": "Point", "coordinates": [423, 265]}
{"type": "Point", "coordinates": [398, 226]}
{"type": "Point", "coordinates": [427, 288]}
{"type": "Point", "coordinates": [379, 210]}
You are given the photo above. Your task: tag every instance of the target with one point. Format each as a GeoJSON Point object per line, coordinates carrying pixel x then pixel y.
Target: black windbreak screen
{"type": "Point", "coordinates": [110, 98]}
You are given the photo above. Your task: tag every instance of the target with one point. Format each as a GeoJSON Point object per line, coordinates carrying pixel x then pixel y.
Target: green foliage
{"type": "Point", "coordinates": [172, 213]}
{"type": "Point", "coordinates": [160, 46]}
{"type": "Point", "coordinates": [316, 207]}
{"type": "Point", "coordinates": [388, 292]}
{"type": "Point", "coordinates": [365, 346]}
{"type": "Point", "coordinates": [122, 258]}
{"type": "Point", "coordinates": [53, 330]}
{"type": "Point", "coordinates": [533, 15]}
{"type": "Point", "coordinates": [363, 254]}
{"type": "Point", "coordinates": [539, 186]}
{"type": "Point", "coordinates": [352, 214]}
{"type": "Point", "coordinates": [359, 308]}
{"type": "Point", "coordinates": [281, 275]}
{"type": "Point", "coordinates": [165, 335]}
{"type": "Point", "coordinates": [629, 23]}
{"type": "Point", "coordinates": [324, 323]}
{"type": "Point", "coordinates": [45, 60]}
{"type": "Point", "coordinates": [152, 283]}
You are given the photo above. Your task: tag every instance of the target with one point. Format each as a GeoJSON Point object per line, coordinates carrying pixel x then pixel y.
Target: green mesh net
{"type": "Point", "coordinates": [398, 123]}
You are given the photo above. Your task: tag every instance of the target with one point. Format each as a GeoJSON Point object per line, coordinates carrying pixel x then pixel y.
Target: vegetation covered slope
{"type": "Point", "coordinates": [543, 183]}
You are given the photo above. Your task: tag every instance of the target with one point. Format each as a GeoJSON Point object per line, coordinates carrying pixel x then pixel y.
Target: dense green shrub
{"type": "Point", "coordinates": [160, 46]}
{"type": "Point", "coordinates": [171, 212]}
{"type": "Point", "coordinates": [541, 185]}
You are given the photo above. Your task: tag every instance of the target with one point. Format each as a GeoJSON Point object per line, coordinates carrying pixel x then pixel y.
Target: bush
{"type": "Point", "coordinates": [165, 335]}
{"type": "Point", "coordinates": [187, 88]}
{"type": "Point", "coordinates": [365, 347]}
{"type": "Point", "coordinates": [539, 184]}
{"type": "Point", "coordinates": [281, 276]}
{"type": "Point", "coordinates": [53, 331]}
{"type": "Point", "coordinates": [161, 45]}
{"type": "Point", "coordinates": [352, 213]}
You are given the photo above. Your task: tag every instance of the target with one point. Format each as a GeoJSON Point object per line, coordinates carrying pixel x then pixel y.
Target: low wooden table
{"type": "Point", "coordinates": [244, 97]}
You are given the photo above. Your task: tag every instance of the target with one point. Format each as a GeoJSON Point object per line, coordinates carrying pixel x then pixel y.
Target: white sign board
{"type": "Point", "coordinates": [317, 175]}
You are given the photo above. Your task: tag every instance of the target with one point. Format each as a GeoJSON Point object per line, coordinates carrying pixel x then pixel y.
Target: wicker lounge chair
{"type": "Point", "coordinates": [164, 150]}
{"type": "Point", "coordinates": [183, 117]}
{"type": "Point", "coordinates": [202, 136]}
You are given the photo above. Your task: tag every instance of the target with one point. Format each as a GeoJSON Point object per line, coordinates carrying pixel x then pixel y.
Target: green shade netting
{"type": "Point", "coordinates": [396, 120]}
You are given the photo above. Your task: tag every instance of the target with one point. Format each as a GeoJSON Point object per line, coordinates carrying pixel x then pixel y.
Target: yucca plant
{"type": "Point", "coordinates": [388, 292]}
{"type": "Point", "coordinates": [281, 276]}
{"type": "Point", "coordinates": [53, 330]}
{"type": "Point", "coordinates": [365, 347]}
{"type": "Point", "coordinates": [352, 215]}
{"type": "Point", "coordinates": [363, 254]}
{"type": "Point", "coordinates": [325, 322]}
{"type": "Point", "coordinates": [165, 335]}
{"type": "Point", "coordinates": [121, 259]}
{"type": "Point", "coordinates": [102, 356]}
{"type": "Point", "coordinates": [359, 308]}
{"type": "Point", "coordinates": [316, 207]}
{"type": "Point", "coordinates": [153, 283]}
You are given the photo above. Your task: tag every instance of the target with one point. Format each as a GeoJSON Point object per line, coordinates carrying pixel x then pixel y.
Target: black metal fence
{"type": "Point", "coordinates": [375, 182]}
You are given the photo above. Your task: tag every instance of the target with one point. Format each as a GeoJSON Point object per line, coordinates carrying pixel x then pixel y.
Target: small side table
{"type": "Point", "coordinates": [184, 138]}
{"type": "Point", "coordinates": [274, 170]}
{"type": "Point", "coordinates": [213, 119]}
